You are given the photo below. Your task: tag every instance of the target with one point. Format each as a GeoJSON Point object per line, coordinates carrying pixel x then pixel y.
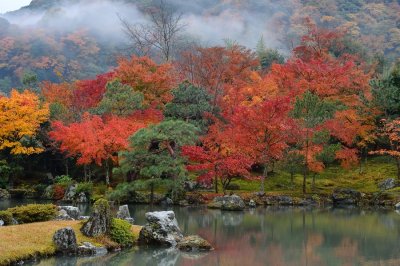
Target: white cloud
{"type": "Point", "coordinates": [10, 5]}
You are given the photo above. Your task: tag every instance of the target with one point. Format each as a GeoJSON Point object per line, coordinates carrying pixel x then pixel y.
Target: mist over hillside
{"type": "Point", "coordinates": [76, 39]}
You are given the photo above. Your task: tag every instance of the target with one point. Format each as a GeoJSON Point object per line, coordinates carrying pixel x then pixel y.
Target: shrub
{"type": "Point", "coordinates": [34, 213]}
{"type": "Point", "coordinates": [63, 180]}
{"type": "Point", "coordinates": [85, 187]}
{"type": "Point", "coordinates": [58, 192]}
{"type": "Point", "coordinates": [121, 232]}
{"type": "Point", "coordinates": [233, 187]}
{"type": "Point", "coordinates": [6, 216]}
{"type": "Point", "coordinates": [123, 192]}
{"type": "Point", "coordinates": [40, 189]}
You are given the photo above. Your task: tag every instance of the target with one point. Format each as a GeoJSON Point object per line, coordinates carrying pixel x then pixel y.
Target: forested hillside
{"type": "Point", "coordinates": [66, 40]}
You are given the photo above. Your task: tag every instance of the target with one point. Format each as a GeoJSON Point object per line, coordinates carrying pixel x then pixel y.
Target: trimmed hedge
{"type": "Point", "coordinates": [6, 216]}
{"type": "Point", "coordinates": [34, 213]}
{"type": "Point", "coordinates": [121, 232]}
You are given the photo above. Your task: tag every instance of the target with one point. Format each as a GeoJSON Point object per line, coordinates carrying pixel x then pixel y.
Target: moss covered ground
{"type": "Point", "coordinates": [25, 241]}
{"type": "Point", "coordinates": [372, 173]}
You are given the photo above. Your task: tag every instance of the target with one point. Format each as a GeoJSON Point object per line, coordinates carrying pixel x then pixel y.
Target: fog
{"type": "Point", "coordinates": [210, 21]}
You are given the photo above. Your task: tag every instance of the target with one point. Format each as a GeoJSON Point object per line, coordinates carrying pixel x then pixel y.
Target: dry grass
{"type": "Point", "coordinates": [136, 230]}
{"type": "Point", "coordinates": [25, 241]}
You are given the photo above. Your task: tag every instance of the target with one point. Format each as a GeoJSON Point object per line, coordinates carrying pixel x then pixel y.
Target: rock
{"type": "Point", "coordinates": [190, 185]}
{"type": "Point", "coordinates": [70, 193]}
{"type": "Point", "coordinates": [63, 216]}
{"type": "Point", "coordinates": [99, 222]}
{"type": "Point", "coordinates": [14, 222]}
{"type": "Point", "coordinates": [307, 202]}
{"type": "Point", "coordinates": [1, 222]}
{"type": "Point", "coordinates": [183, 203]}
{"type": "Point", "coordinates": [346, 196]}
{"type": "Point", "coordinates": [388, 183]}
{"type": "Point", "coordinates": [228, 203]}
{"type": "Point", "coordinates": [284, 200]}
{"type": "Point", "coordinates": [252, 204]}
{"type": "Point", "coordinates": [82, 198]}
{"type": "Point", "coordinates": [48, 192]}
{"type": "Point", "coordinates": [161, 229]}
{"type": "Point", "coordinates": [72, 211]}
{"type": "Point", "coordinates": [397, 206]}
{"type": "Point", "coordinates": [195, 198]}
{"type": "Point", "coordinates": [194, 243]}
{"type": "Point", "coordinates": [65, 241]}
{"type": "Point", "coordinates": [123, 213]}
{"type": "Point", "coordinates": [88, 249]}
{"type": "Point", "coordinates": [167, 201]}
{"type": "Point", "coordinates": [80, 218]}
{"type": "Point", "coordinates": [4, 194]}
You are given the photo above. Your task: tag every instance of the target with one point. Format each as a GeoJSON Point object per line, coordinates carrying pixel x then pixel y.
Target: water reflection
{"type": "Point", "coordinates": [270, 236]}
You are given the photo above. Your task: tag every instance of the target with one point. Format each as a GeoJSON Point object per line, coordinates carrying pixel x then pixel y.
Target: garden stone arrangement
{"type": "Point", "coordinates": [162, 229]}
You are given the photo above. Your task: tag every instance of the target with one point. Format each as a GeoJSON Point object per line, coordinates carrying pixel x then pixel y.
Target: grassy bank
{"type": "Point", "coordinates": [373, 172]}
{"type": "Point", "coordinates": [21, 242]}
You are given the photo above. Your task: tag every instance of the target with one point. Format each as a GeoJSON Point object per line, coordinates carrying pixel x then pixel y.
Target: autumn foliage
{"type": "Point", "coordinates": [20, 118]}
{"type": "Point", "coordinates": [316, 107]}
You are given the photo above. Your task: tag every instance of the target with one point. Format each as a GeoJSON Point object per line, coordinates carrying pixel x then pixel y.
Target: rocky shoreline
{"type": "Point", "coordinates": [339, 197]}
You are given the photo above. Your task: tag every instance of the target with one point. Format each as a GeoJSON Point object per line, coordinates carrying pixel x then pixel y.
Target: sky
{"type": "Point", "coordinates": [9, 5]}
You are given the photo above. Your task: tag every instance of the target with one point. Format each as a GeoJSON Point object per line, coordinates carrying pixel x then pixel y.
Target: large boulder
{"type": "Point", "coordinates": [346, 196]}
{"type": "Point", "coordinates": [167, 202]}
{"type": "Point", "coordinates": [70, 193]}
{"type": "Point", "coordinates": [99, 222]}
{"type": "Point", "coordinates": [63, 216]}
{"type": "Point", "coordinates": [190, 185]}
{"type": "Point", "coordinates": [252, 204]}
{"type": "Point", "coordinates": [48, 192]}
{"type": "Point", "coordinates": [81, 198]}
{"type": "Point", "coordinates": [195, 198]}
{"type": "Point", "coordinates": [194, 243]}
{"type": "Point", "coordinates": [72, 211]}
{"type": "Point", "coordinates": [4, 194]}
{"type": "Point", "coordinates": [65, 241]}
{"type": "Point", "coordinates": [228, 203]}
{"type": "Point", "coordinates": [161, 229]}
{"type": "Point", "coordinates": [1, 222]}
{"type": "Point", "coordinates": [388, 183]}
{"type": "Point", "coordinates": [124, 214]}
{"type": "Point", "coordinates": [88, 249]}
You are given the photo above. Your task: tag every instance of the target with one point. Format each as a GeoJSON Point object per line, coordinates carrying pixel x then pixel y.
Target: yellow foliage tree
{"type": "Point", "coordinates": [20, 117]}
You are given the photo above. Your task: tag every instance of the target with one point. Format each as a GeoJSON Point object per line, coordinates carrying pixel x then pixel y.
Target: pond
{"type": "Point", "coordinates": [269, 236]}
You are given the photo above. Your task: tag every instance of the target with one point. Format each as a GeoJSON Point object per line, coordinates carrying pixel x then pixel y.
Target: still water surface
{"type": "Point", "coordinates": [268, 236]}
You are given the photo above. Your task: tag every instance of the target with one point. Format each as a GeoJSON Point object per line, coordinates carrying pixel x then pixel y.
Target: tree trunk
{"type": "Point", "coordinates": [216, 184]}
{"type": "Point", "coordinates": [152, 193]}
{"type": "Point", "coordinates": [292, 180]}
{"type": "Point", "coordinates": [108, 172]}
{"type": "Point", "coordinates": [304, 179]}
{"type": "Point", "coordinates": [263, 178]}
{"type": "Point", "coordinates": [66, 167]}
{"type": "Point", "coordinates": [313, 182]}
{"type": "Point", "coordinates": [85, 172]}
{"type": "Point", "coordinates": [305, 166]}
{"type": "Point", "coordinates": [398, 167]}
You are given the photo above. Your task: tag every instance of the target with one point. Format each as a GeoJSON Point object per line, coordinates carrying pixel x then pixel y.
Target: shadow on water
{"type": "Point", "coordinates": [269, 236]}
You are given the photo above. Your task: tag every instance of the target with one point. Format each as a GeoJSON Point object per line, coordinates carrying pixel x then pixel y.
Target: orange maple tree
{"type": "Point", "coordinates": [144, 75]}
{"type": "Point", "coordinates": [98, 140]}
{"type": "Point", "coordinates": [391, 130]}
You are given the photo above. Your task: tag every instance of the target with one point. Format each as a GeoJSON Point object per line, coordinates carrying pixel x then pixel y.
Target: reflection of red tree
{"type": "Point", "coordinates": [239, 250]}
{"type": "Point", "coordinates": [309, 256]}
{"type": "Point", "coordinates": [347, 251]}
